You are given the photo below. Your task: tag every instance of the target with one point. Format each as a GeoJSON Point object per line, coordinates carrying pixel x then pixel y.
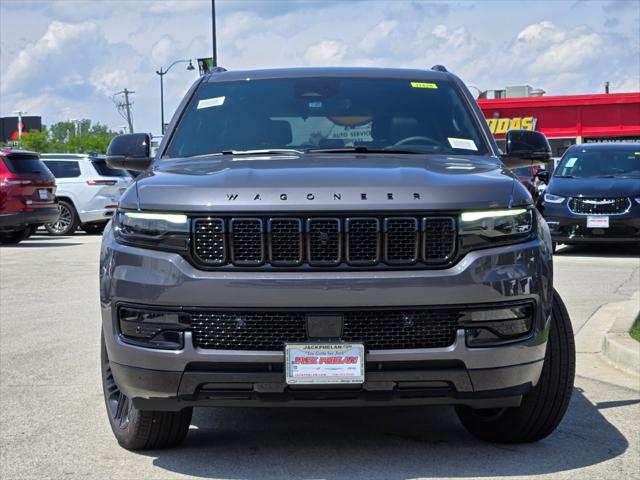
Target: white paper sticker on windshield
{"type": "Point", "coordinates": [210, 102]}
{"type": "Point", "coordinates": [571, 162]}
{"type": "Point", "coordinates": [463, 143]}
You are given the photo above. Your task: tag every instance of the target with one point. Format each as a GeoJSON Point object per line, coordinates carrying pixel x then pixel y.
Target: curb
{"type": "Point", "coordinates": [618, 348]}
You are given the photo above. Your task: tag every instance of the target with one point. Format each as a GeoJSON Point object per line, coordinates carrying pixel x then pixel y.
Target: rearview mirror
{"type": "Point", "coordinates": [526, 148]}
{"type": "Point", "coordinates": [131, 152]}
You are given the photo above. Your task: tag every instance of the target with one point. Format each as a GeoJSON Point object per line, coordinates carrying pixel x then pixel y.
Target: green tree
{"type": "Point", "coordinates": [80, 136]}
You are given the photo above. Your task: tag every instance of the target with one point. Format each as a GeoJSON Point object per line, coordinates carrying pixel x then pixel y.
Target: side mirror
{"type": "Point", "coordinates": [543, 176]}
{"type": "Point", "coordinates": [526, 148]}
{"type": "Point", "coordinates": [131, 152]}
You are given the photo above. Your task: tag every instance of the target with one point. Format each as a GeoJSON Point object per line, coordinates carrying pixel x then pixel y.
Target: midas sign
{"type": "Point", "coordinates": [501, 125]}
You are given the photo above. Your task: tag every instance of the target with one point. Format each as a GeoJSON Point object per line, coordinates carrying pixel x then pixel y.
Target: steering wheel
{"type": "Point", "coordinates": [419, 139]}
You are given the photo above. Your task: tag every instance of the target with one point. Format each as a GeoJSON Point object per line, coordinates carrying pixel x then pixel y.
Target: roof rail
{"type": "Point", "coordinates": [217, 69]}
{"type": "Point", "coordinates": [439, 68]}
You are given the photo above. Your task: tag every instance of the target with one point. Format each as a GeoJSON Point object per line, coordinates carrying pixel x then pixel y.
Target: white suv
{"type": "Point", "coordinates": [88, 191]}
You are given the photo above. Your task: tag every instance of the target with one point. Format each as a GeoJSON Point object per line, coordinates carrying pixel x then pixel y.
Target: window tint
{"type": "Point", "coordinates": [311, 113]}
{"type": "Point", "coordinates": [24, 165]}
{"type": "Point", "coordinates": [106, 171]}
{"type": "Point", "coordinates": [63, 169]}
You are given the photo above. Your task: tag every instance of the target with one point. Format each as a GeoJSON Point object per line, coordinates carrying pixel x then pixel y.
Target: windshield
{"type": "Point", "coordinates": [327, 113]}
{"type": "Point", "coordinates": [600, 162]}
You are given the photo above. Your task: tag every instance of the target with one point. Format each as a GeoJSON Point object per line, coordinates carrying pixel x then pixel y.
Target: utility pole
{"type": "Point", "coordinates": [20, 113]}
{"type": "Point", "coordinates": [213, 33]}
{"type": "Point", "coordinates": [124, 108]}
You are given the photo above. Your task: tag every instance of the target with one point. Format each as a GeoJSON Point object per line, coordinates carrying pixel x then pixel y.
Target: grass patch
{"type": "Point", "coordinates": [635, 330]}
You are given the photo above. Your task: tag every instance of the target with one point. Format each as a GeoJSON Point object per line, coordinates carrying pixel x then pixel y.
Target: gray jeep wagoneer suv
{"type": "Point", "coordinates": [330, 237]}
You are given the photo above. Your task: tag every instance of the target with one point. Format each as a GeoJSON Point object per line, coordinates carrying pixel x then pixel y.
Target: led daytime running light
{"type": "Point", "coordinates": [473, 216]}
{"type": "Point", "coordinates": [168, 217]}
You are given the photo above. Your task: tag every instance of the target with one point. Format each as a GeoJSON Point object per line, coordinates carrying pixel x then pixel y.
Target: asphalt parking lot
{"type": "Point", "coordinates": [53, 423]}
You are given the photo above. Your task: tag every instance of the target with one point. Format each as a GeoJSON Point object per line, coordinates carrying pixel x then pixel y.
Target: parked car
{"type": "Point", "coordinates": [27, 195]}
{"type": "Point", "coordinates": [594, 195]}
{"type": "Point", "coordinates": [527, 176]}
{"type": "Point", "coordinates": [252, 265]}
{"type": "Point", "coordinates": [88, 191]}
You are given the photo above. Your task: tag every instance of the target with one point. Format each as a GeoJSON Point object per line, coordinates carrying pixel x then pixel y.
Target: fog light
{"type": "Point", "coordinates": [496, 326]}
{"type": "Point", "coordinates": [152, 328]}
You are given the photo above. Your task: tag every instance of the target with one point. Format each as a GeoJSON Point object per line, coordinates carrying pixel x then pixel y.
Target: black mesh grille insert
{"type": "Point", "coordinates": [286, 241]}
{"type": "Point", "coordinates": [209, 240]}
{"type": "Point", "coordinates": [324, 241]}
{"type": "Point", "coordinates": [247, 331]}
{"type": "Point", "coordinates": [401, 245]}
{"type": "Point", "coordinates": [246, 238]}
{"type": "Point", "coordinates": [377, 329]}
{"type": "Point", "coordinates": [599, 206]}
{"type": "Point", "coordinates": [363, 241]}
{"type": "Point", "coordinates": [438, 239]}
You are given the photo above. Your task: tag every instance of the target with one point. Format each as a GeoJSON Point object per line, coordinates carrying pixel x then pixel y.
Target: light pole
{"type": "Point", "coordinates": [213, 33]}
{"type": "Point", "coordinates": [162, 73]}
{"type": "Point", "coordinates": [20, 113]}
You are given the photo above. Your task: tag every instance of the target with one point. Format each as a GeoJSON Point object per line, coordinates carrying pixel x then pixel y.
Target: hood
{"type": "Point", "coordinates": [321, 182]}
{"type": "Point", "coordinates": [594, 187]}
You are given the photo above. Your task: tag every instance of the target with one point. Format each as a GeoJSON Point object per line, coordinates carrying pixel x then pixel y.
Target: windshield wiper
{"type": "Point", "coordinates": [564, 176]}
{"type": "Point", "coordinates": [261, 151]}
{"type": "Point", "coordinates": [363, 149]}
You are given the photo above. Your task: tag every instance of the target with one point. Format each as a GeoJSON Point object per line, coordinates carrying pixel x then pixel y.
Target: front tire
{"type": "Point", "coordinates": [543, 407]}
{"type": "Point", "coordinates": [67, 222]}
{"type": "Point", "coordinates": [140, 429]}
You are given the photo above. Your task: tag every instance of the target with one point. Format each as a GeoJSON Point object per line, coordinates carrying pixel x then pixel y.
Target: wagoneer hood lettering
{"type": "Point", "coordinates": [322, 181]}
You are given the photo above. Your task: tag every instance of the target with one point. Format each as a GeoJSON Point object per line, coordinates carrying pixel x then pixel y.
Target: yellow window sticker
{"type": "Point", "coordinates": [423, 85]}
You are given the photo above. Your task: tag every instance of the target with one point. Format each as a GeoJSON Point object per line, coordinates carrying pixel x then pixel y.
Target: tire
{"type": "Point", "coordinates": [67, 223]}
{"type": "Point", "coordinates": [140, 429]}
{"type": "Point", "coordinates": [13, 238]}
{"type": "Point", "coordinates": [32, 230]}
{"type": "Point", "coordinates": [543, 407]}
{"type": "Point", "coordinates": [94, 228]}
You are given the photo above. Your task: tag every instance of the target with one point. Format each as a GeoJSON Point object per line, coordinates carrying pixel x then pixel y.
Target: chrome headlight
{"type": "Point", "coordinates": [491, 227]}
{"type": "Point", "coordinates": [551, 198]}
{"type": "Point", "coordinates": [163, 231]}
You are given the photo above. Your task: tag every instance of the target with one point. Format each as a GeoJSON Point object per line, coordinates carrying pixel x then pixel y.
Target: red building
{"type": "Point", "coordinates": [567, 120]}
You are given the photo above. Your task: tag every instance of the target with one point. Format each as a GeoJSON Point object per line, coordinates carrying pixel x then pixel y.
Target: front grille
{"type": "Point", "coordinates": [247, 241]}
{"type": "Point", "coordinates": [599, 206]}
{"type": "Point", "coordinates": [377, 329]}
{"type": "Point", "coordinates": [325, 241]}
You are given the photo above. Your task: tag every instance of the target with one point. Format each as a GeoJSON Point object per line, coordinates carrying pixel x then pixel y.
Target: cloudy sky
{"type": "Point", "coordinates": [65, 59]}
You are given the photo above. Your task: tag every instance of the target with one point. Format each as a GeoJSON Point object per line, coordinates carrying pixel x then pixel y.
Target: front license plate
{"type": "Point", "coordinates": [317, 364]}
{"type": "Point", "coordinates": [43, 194]}
{"type": "Point", "coordinates": [597, 222]}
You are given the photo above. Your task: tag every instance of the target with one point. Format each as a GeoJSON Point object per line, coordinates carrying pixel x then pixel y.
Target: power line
{"type": "Point", "coordinates": [124, 106]}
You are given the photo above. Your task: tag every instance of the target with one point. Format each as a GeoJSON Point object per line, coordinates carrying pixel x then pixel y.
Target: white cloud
{"type": "Point", "coordinates": [543, 47]}
{"type": "Point", "coordinates": [67, 56]}
{"type": "Point", "coordinates": [327, 52]}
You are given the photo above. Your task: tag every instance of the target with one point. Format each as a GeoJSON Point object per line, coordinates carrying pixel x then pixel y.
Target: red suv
{"type": "Point", "coordinates": [27, 195]}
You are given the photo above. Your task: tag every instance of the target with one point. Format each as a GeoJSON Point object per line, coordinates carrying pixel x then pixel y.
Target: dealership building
{"type": "Point", "coordinates": [565, 120]}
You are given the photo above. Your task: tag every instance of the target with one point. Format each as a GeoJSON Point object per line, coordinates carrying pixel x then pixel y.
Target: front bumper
{"type": "Point", "coordinates": [568, 227]}
{"type": "Point", "coordinates": [480, 377]}
{"type": "Point", "coordinates": [102, 215]}
{"type": "Point", "coordinates": [37, 216]}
